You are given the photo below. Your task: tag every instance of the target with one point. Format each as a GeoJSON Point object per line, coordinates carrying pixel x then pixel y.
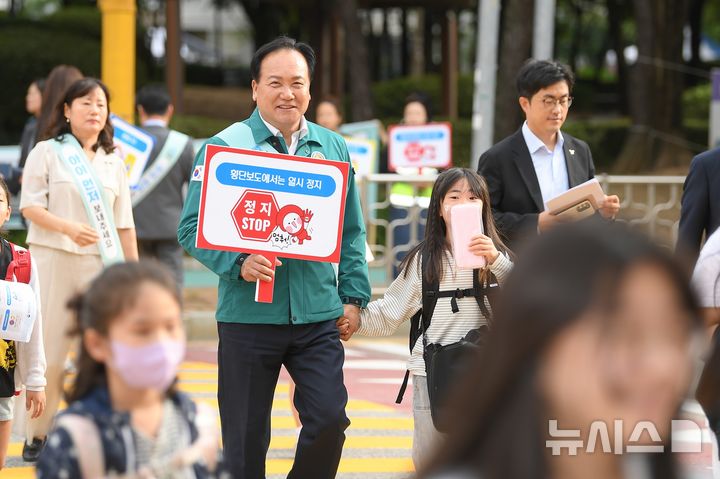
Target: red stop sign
{"type": "Point", "coordinates": [254, 215]}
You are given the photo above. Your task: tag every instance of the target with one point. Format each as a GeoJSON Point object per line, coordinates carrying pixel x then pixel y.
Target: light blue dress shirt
{"type": "Point", "coordinates": [550, 166]}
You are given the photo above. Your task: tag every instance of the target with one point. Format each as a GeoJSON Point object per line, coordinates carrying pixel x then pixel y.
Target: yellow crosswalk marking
{"type": "Point", "coordinates": [211, 387]}
{"type": "Point", "coordinates": [356, 465]}
{"type": "Point", "coordinates": [198, 366]}
{"type": "Point", "coordinates": [15, 449]}
{"type": "Point", "coordinates": [18, 473]}
{"type": "Point", "coordinates": [199, 378]}
{"type": "Point", "coordinates": [210, 376]}
{"type": "Point", "coordinates": [198, 387]}
{"type": "Point", "coordinates": [352, 442]}
{"type": "Point", "coordinates": [384, 423]}
{"type": "Point", "coordinates": [283, 404]}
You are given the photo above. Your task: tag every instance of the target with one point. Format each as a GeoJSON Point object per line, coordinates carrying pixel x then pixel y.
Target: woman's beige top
{"type": "Point", "coordinates": [48, 183]}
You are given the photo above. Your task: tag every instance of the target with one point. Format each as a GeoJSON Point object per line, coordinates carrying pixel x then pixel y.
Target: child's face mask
{"type": "Point", "coordinates": [151, 366]}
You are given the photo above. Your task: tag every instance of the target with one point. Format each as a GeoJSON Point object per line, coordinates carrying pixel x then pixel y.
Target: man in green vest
{"type": "Point", "coordinates": [298, 329]}
{"type": "Point", "coordinates": [158, 196]}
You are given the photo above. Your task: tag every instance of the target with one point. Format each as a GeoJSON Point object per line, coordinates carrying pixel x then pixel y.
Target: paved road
{"type": "Point", "coordinates": [380, 438]}
{"type": "Point", "coordinates": [378, 441]}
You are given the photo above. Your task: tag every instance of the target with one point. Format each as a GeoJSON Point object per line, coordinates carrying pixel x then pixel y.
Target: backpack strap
{"type": "Point", "coordinates": [457, 294]}
{"type": "Point", "coordinates": [489, 290]}
{"type": "Point", "coordinates": [20, 266]}
{"type": "Point", "coordinates": [88, 446]}
{"type": "Point", "coordinates": [420, 322]}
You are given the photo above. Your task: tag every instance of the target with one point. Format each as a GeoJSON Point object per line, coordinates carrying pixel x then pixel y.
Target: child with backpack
{"type": "Point", "coordinates": [430, 280]}
{"type": "Point", "coordinates": [22, 360]}
{"type": "Point", "coordinates": [124, 416]}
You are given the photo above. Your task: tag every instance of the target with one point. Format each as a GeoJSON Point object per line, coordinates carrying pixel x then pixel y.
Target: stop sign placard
{"type": "Point", "coordinates": [417, 146]}
{"type": "Point", "coordinates": [255, 215]}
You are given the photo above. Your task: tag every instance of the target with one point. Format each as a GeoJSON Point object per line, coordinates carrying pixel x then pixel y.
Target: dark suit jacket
{"type": "Point", "coordinates": [700, 210]}
{"type": "Point", "coordinates": [515, 194]}
{"type": "Point", "coordinates": [158, 215]}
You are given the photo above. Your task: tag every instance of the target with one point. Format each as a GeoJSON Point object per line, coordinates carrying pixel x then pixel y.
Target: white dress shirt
{"type": "Point", "coordinates": [295, 138]}
{"type": "Point", "coordinates": [155, 122]}
{"type": "Point", "coordinates": [550, 166]}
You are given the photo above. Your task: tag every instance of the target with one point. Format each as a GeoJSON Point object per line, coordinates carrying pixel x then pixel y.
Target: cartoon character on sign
{"type": "Point", "coordinates": [294, 220]}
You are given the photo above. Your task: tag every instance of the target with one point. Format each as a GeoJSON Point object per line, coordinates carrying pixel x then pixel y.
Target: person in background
{"type": "Point", "coordinates": [73, 231]}
{"type": "Point", "coordinates": [596, 325]}
{"type": "Point", "coordinates": [700, 205]}
{"type": "Point", "coordinates": [21, 363]}
{"type": "Point", "coordinates": [403, 196]}
{"type": "Point", "coordinates": [328, 114]}
{"type": "Point", "coordinates": [158, 196]}
{"type": "Point", "coordinates": [125, 416]}
{"type": "Point", "coordinates": [56, 85]}
{"type": "Point", "coordinates": [538, 162]}
{"type": "Point", "coordinates": [33, 104]}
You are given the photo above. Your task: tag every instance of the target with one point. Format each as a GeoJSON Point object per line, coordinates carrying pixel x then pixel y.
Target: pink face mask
{"type": "Point", "coordinates": [152, 366]}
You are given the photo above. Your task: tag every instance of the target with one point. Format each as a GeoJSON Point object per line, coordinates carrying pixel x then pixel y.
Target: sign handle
{"type": "Point", "coordinates": [264, 289]}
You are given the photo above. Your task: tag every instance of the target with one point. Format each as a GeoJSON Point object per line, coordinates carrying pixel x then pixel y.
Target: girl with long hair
{"type": "Point", "coordinates": [404, 296]}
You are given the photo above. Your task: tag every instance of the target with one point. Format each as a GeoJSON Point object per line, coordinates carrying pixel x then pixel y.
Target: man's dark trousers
{"type": "Point", "coordinates": [249, 361]}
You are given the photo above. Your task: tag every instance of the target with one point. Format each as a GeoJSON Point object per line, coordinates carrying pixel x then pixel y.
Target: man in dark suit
{"type": "Point", "coordinates": [700, 210]}
{"type": "Point", "coordinates": [158, 197]}
{"type": "Point", "coordinates": [538, 162]}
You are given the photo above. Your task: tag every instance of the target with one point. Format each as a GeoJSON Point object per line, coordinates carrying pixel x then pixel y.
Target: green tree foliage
{"type": "Point", "coordinates": [30, 48]}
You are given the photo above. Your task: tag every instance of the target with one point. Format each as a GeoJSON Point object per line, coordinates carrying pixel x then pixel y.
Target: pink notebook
{"type": "Point", "coordinates": [466, 221]}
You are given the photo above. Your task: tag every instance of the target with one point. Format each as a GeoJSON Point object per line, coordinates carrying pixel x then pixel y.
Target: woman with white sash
{"type": "Point", "coordinates": [77, 200]}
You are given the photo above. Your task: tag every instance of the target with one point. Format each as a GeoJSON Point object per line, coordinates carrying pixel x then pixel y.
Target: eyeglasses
{"type": "Point", "coordinates": [550, 102]}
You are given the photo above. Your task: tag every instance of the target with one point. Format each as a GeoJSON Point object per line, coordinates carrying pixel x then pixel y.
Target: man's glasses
{"type": "Point", "coordinates": [550, 102]}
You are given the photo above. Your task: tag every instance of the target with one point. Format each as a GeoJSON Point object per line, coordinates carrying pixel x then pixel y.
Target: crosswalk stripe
{"type": "Point", "coordinates": [210, 376]}
{"type": "Point", "coordinates": [352, 442]}
{"type": "Point", "coordinates": [355, 465]}
{"type": "Point", "coordinates": [283, 405]}
{"type": "Point", "coordinates": [18, 473]}
{"type": "Point", "coordinates": [374, 423]}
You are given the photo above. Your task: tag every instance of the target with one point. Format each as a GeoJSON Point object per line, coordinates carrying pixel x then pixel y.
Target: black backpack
{"type": "Point", "coordinates": [444, 364]}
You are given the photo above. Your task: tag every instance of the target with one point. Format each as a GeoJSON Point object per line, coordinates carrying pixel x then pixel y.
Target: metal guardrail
{"type": "Point", "coordinates": [651, 203]}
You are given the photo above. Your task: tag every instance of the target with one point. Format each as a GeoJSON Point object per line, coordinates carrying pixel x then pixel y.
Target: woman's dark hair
{"type": "Point", "coordinates": [434, 246]}
{"type": "Point", "coordinates": [498, 425]}
{"type": "Point", "coordinates": [79, 89]}
{"type": "Point", "coordinates": [423, 99]}
{"type": "Point", "coordinates": [57, 83]}
{"type": "Point", "coordinates": [282, 43]}
{"type": "Point", "coordinates": [108, 296]}
{"type": "Point", "coordinates": [5, 188]}
{"type": "Point", "coordinates": [535, 75]}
